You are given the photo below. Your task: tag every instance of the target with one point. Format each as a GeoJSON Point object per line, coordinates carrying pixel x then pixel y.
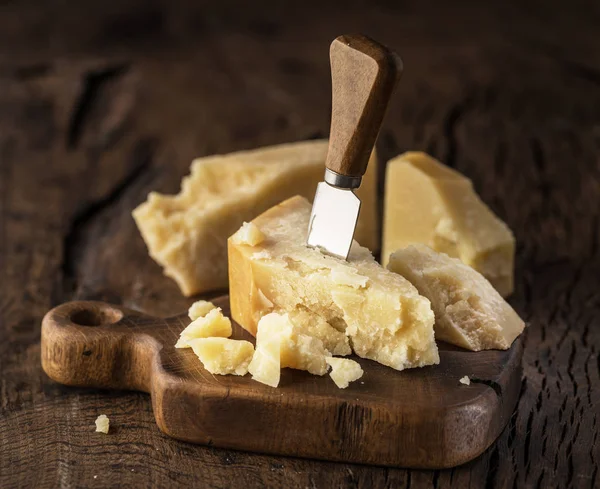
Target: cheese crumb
{"type": "Point", "coordinates": [248, 234]}
{"type": "Point", "coordinates": [223, 356]}
{"type": "Point", "coordinates": [200, 309]}
{"type": "Point", "coordinates": [344, 371]}
{"type": "Point", "coordinates": [213, 324]}
{"type": "Point", "coordinates": [102, 424]}
{"type": "Point", "coordinates": [465, 380]}
{"type": "Point", "coordinates": [265, 366]}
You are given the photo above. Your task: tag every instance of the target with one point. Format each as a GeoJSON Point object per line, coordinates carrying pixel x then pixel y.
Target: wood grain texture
{"type": "Point", "coordinates": [508, 93]}
{"type": "Point", "coordinates": [421, 418]}
{"type": "Point", "coordinates": [363, 76]}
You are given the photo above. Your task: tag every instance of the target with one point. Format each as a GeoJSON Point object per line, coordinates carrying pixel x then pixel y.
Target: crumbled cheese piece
{"type": "Point", "coordinates": [265, 366]}
{"type": "Point", "coordinates": [248, 234]}
{"type": "Point", "coordinates": [381, 313]}
{"type": "Point", "coordinates": [102, 424]}
{"type": "Point", "coordinates": [277, 333]}
{"type": "Point", "coordinates": [469, 312]}
{"type": "Point", "coordinates": [213, 324]}
{"type": "Point", "coordinates": [200, 309]}
{"type": "Point", "coordinates": [223, 356]}
{"type": "Point", "coordinates": [344, 371]}
{"type": "Point", "coordinates": [187, 233]}
{"type": "Point", "coordinates": [465, 380]}
{"type": "Point", "coordinates": [428, 203]}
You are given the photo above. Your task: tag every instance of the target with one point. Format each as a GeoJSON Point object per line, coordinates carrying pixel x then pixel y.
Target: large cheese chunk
{"type": "Point", "coordinates": [382, 313]}
{"type": "Point", "coordinates": [187, 233]}
{"type": "Point", "coordinates": [469, 312]}
{"type": "Point", "coordinates": [344, 371]}
{"type": "Point", "coordinates": [223, 356]}
{"type": "Point", "coordinates": [429, 203]}
{"type": "Point", "coordinates": [213, 324]}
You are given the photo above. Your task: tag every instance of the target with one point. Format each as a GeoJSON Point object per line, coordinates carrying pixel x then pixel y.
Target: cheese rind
{"type": "Point", "coordinates": [213, 324]}
{"type": "Point", "coordinates": [344, 371]}
{"type": "Point", "coordinates": [223, 356]}
{"type": "Point", "coordinates": [187, 233]}
{"type": "Point", "coordinates": [429, 203]}
{"type": "Point", "coordinates": [469, 312]}
{"type": "Point", "coordinates": [200, 309]}
{"type": "Point", "coordinates": [382, 313]}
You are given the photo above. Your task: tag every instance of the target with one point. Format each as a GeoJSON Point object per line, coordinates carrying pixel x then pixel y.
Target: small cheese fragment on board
{"type": "Point", "coordinates": [223, 356]}
{"type": "Point", "coordinates": [213, 324]}
{"type": "Point", "coordinates": [427, 202]}
{"type": "Point", "coordinates": [200, 309]}
{"type": "Point", "coordinates": [187, 233]}
{"type": "Point", "coordinates": [102, 424]}
{"type": "Point", "coordinates": [465, 380]}
{"type": "Point", "coordinates": [248, 234]}
{"type": "Point", "coordinates": [265, 366]}
{"type": "Point", "coordinates": [382, 313]}
{"type": "Point", "coordinates": [469, 312]}
{"type": "Point", "coordinates": [344, 371]}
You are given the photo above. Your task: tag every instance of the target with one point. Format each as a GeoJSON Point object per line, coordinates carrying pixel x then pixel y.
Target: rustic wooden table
{"type": "Point", "coordinates": [101, 102]}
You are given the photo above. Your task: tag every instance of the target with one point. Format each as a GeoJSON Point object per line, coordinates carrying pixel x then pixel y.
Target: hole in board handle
{"type": "Point", "coordinates": [99, 316]}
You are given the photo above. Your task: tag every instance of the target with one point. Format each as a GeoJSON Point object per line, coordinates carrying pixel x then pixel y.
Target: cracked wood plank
{"type": "Point", "coordinates": [502, 93]}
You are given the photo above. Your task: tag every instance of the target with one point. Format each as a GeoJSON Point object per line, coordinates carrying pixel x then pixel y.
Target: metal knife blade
{"type": "Point", "coordinates": [333, 219]}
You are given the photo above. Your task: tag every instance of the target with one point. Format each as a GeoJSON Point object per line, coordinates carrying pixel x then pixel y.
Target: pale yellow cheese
{"type": "Point", "coordinates": [200, 309]}
{"type": "Point", "coordinates": [265, 366]}
{"type": "Point", "coordinates": [223, 356]}
{"type": "Point", "coordinates": [102, 424]}
{"type": "Point", "coordinates": [277, 333]}
{"type": "Point", "coordinates": [465, 380]}
{"type": "Point", "coordinates": [469, 312]}
{"type": "Point", "coordinates": [429, 203]}
{"type": "Point", "coordinates": [248, 234]}
{"type": "Point", "coordinates": [213, 324]}
{"type": "Point", "coordinates": [187, 233]}
{"type": "Point", "coordinates": [383, 315]}
{"type": "Point", "coordinates": [344, 371]}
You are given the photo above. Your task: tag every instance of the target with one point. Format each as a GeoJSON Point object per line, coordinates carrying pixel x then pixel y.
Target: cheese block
{"type": "Point", "coordinates": [200, 309]}
{"type": "Point", "coordinates": [427, 202]}
{"type": "Point", "coordinates": [469, 312]}
{"type": "Point", "coordinates": [344, 371]}
{"type": "Point", "coordinates": [213, 324]}
{"type": "Point", "coordinates": [223, 356]}
{"type": "Point", "coordinates": [187, 233]}
{"type": "Point", "coordinates": [383, 315]}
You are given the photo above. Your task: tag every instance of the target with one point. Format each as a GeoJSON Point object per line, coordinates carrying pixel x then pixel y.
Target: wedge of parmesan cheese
{"type": "Point", "coordinates": [426, 202]}
{"type": "Point", "coordinates": [187, 233]}
{"type": "Point", "coordinates": [213, 324]}
{"type": "Point", "coordinates": [223, 356]}
{"type": "Point", "coordinates": [381, 313]}
{"type": "Point", "coordinates": [344, 371]}
{"type": "Point", "coordinates": [469, 312]}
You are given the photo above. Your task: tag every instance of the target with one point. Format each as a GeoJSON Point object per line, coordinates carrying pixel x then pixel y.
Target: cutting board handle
{"type": "Point", "coordinates": [95, 344]}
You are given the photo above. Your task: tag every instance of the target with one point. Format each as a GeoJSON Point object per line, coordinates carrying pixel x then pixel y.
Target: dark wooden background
{"type": "Point", "coordinates": [101, 102]}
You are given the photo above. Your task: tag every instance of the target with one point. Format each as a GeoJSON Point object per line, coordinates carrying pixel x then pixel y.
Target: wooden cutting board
{"type": "Point", "coordinates": [419, 418]}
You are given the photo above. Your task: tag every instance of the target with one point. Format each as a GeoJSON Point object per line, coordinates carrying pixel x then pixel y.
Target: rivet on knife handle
{"type": "Point", "coordinates": [364, 74]}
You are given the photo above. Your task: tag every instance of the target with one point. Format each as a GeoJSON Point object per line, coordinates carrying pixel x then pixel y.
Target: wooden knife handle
{"type": "Point", "coordinates": [95, 344]}
{"type": "Point", "coordinates": [363, 74]}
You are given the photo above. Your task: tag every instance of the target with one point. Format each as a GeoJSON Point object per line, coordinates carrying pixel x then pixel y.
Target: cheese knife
{"type": "Point", "coordinates": [363, 75]}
